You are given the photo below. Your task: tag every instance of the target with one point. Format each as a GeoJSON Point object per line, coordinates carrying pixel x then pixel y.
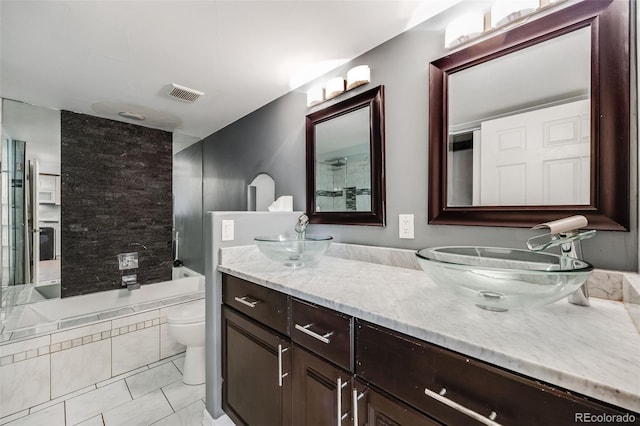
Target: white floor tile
{"type": "Point", "coordinates": [180, 364]}
{"type": "Point", "coordinates": [181, 395]}
{"type": "Point", "coordinates": [150, 380]}
{"type": "Point", "coordinates": [139, 412]}
{"type": "Point", "coordinates": [52, 416]}
{"type": "Point", "coordinates": [191, 415]}
{"type": "Point", "coordinates": [168, 359]}
{"type": "Point", "coordinates": [121, 376]}
{"type": "Point", "coordinates": [223, 421]}
{"type": "Point", "coordinates": [92, 403]}
{"type": "Point", "coordinates": [93, 421]}
{"type": "Point", "coordinates": [61, 399]}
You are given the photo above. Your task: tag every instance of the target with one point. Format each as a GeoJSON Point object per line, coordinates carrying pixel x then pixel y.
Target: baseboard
{"type": "Point", "coordinates": [223, 420]}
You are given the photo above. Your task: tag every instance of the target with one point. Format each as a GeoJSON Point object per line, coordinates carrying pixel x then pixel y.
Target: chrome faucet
{"type": "Point", "coordinates": [565, 233]}
{"type": "Point", "coordinates": [301, 225]}
{"type": "Point", "coordinates": [131, 282]}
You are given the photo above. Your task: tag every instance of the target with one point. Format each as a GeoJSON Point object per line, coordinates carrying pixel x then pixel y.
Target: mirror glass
{"type": "Point", "coordinates": [343, 166]}
{"type": "Point", "coordinates": [30, 203]}
{"type": "Point", "coordinates": [345, 161]}
{"type": "Point", "coordinates": [522, 137]}
{"type": "Point", "coordinates": [532, 123]}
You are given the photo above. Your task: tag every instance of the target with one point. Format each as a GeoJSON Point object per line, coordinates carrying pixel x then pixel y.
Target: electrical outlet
{"type": "Point", "coordinates": [405, 222]}
{"type": "Point", "coordinates": [227, 230]}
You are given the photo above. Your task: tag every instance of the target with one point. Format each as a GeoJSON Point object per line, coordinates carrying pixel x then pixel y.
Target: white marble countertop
{"type": "Point", "coordinates": [592, 350]}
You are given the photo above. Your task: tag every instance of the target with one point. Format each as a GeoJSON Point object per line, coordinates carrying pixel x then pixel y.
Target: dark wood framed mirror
{"type": "Point", "coordinates": [594, 182]}
{"type": "Point", "coordinates": [345, 161]}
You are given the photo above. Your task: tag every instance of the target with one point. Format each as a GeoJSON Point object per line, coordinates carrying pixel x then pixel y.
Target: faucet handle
{"type": "Point", "coordinates": [564, 225]}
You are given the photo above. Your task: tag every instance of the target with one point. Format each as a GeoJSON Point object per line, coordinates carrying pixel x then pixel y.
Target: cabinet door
{"type": "Point", "coordinates": [256, 365]}
{"type": "Point", "coordinates": [322, 391]}
{"type": "Point", "coordinates": [375, 409]}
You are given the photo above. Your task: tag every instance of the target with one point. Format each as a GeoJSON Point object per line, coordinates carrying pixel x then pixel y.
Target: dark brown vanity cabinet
{"type": "Point", "coordinates": [374, 408]}
{"type": "Point", "coordinates": [256, 354]}
{"type": "Point", "coordinates": [457, 390]}
{"type": "Point", "coordinates": [289, 362]}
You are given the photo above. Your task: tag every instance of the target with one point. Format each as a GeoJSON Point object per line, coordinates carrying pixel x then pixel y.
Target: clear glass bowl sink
{"type": "Point", "coordinates": [499, 279]}
{"type": "Point", "coordinates": [293, 250]}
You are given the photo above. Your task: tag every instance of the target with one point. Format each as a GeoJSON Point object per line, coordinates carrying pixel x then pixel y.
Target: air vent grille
{"type": "Point", "coordinates": [184, 93]}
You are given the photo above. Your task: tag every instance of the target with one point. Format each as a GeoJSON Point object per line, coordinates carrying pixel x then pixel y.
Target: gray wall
{"type": "Point", "coordinates": [187, 206]}
{"type": "Point", "coordinates": [271, 140]}
{"type": "Point", "coordinates": [116, 198]}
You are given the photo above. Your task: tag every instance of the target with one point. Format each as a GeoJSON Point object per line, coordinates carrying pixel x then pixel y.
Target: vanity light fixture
{"type": "Point", "coordinates": [356, 76]}
{"type": "Point", "coordinates": [463, 29]}
{"type": "Point", "coordinates": [315, 95]}
{"type": "Point", "coordinates": [504, 12]}
{"type": "Point", "coordinates": [334, 87]}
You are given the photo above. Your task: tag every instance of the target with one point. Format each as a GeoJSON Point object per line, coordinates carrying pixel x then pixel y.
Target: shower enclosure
{"type": "Point", "coordinates": [344, 183]}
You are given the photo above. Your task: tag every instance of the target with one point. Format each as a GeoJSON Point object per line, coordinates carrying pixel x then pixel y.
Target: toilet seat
{"type": "Point", "coordinates": [193, 313]}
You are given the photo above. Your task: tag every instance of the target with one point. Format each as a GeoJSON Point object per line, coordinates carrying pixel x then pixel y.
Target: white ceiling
{"type": "Point", "coordinates": [100, 57]}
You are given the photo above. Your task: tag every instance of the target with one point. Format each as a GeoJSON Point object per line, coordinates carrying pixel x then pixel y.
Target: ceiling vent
{"type": "Point", "coordinates": [183, 93]}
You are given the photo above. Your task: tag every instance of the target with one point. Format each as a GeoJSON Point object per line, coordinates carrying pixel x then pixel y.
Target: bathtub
{"type": "Point", "coordinates": [59, 313]}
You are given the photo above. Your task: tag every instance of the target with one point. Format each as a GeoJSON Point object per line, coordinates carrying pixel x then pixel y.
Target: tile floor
{"type": "Point", "coordinates": [150, 395]}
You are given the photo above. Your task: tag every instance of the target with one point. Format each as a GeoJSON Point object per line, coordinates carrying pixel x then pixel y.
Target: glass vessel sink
{"type": "Point", "coordinates": [499, 279]}
{"type": "Point", "coordinates": [293, 250]}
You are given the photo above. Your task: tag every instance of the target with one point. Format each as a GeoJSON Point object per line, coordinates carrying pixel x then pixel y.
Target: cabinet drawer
{"type": "Point", "coordinates": [405, 367]}
{"type": "Point", "coordinates": [267, 306]}
{"type": "Point", "coordinates": [323, 331]}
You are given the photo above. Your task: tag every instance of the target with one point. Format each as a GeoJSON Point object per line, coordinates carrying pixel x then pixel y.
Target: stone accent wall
{"type": "Point", "coordinates": [116, 198]}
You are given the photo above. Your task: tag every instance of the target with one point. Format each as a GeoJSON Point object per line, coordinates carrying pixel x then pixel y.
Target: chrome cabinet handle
{"type": "Point", "coordinates": [356, 397]}
{"type": "Point", "coordinates": [281, 376]}
{"type": "Point", "coordinates": [324, 338]}
{"type": "Point", "coordinates": [477, 416]}
{"type": "Point", "coordinates": [244, 300]}
{"type": "Point", "coordinates": [340, 386]}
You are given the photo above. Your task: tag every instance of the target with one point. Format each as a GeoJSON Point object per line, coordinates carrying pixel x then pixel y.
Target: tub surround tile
{"type": "Point", "coordinates": [80, 332]}
{"type": "Point", "coordinates": [152, 379]}
{"type": "Point", "coordinates": [25, 345]}
{"type": "Point", "coordinates": [93, 403]}
{"type": "Point", "coordinates": [139, 412]}
{"type": "Point", "coordinates": [134, 319]}
{"type": "Point", "coordinates": [126, 207]}
{"type": "Point", "coordinates": [188, 416]}
{"type": "Point", "coordinates": [135, 349]}
{"type": "Point", "coordinates": [89, 364]}
{"type": "Point", "coordinates": [595, 361]}
{"type": "Point", "coordinates": [24, 384]}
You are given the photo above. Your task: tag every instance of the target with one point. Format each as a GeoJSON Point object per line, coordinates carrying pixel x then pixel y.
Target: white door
{"type": "Point", "coordinates": [540, 157]}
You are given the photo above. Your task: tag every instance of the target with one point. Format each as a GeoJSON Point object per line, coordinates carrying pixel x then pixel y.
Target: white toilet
{"type": "Point", "coordinates": [187, 326]}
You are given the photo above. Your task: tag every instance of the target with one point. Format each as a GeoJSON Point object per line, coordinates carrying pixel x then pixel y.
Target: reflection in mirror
{"type": "Point", "coordinates": [345, 161]}
{"type": "Point", "coordinates": [533, 123]}
{"type": "Point", "coordinates": [522, 137]}
{"type": "Point", "coordinates": [343, 178]}
{"type": "Point", "coordinates": [30, 203]}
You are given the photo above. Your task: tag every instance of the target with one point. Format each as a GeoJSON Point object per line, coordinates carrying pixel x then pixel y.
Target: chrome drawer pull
{"type": "Point", "coordinates": [305, 329]}
{"type": "Point", "coordinates": [244, 301]}
{"type": "Point", "coordinates": [356, 397]}
{"type": "Point", "coordinates": [281, 376]}
{"type": "Point", "coordinates": [446, 401]}
{"type": "Point", "coordinates": [340, 386]}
